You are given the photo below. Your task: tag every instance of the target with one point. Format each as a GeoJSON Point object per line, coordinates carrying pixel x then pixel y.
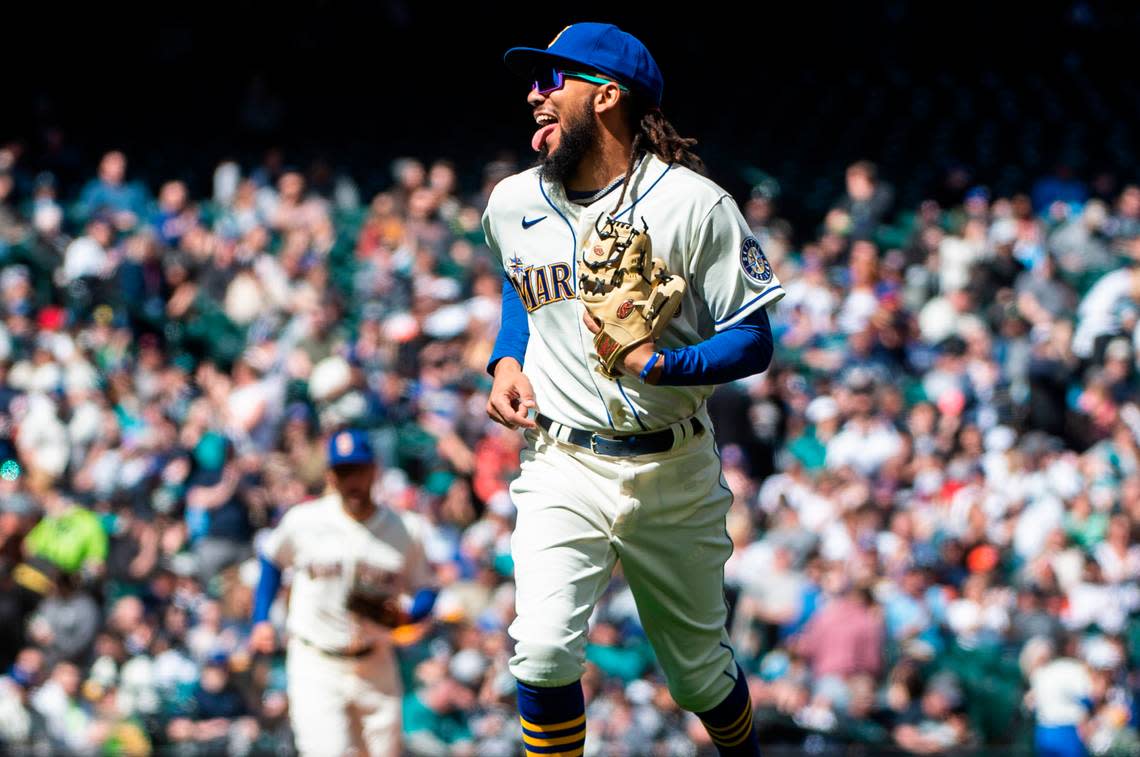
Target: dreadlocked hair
{"type": "Point", "coordinates": [655, 134]}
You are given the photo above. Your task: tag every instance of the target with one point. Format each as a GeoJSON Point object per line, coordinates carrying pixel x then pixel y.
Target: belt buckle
{"type": "Point", "coordinates": [608, 447]}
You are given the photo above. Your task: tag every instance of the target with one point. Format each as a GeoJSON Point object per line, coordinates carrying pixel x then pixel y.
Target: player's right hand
{"type": "Point", "coordinates": [263, 639]}
{"type": "Point", "coordinates": [512, 396]}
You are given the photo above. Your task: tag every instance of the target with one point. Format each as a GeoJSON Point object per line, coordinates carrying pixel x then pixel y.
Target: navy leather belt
{"type": "Point", "coordinates": [625, 445]}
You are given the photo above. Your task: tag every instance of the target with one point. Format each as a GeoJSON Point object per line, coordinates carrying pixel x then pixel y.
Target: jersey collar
{"type": "Point", "coordinates": [593, 197]}
{"type": "Point", "coordinates": [557, 193]}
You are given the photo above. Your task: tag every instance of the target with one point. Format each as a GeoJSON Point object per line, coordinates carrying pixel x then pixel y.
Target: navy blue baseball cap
{"type": "Point", "coordinates": [600, 47]}
{"type": "Point", "coordinates": [350, 447]}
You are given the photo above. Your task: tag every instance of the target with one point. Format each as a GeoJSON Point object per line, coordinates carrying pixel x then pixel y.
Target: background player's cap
{"type": "Point", "coordinates": [601, 47]}
{"type": "Point", "coordinates": [350, 447]}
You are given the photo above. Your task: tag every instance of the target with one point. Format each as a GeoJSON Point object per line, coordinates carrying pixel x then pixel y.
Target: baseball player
{"type": "Point", "coordinates": [354, 565]}
{"type": "Point", "coordinates": [633, 286]}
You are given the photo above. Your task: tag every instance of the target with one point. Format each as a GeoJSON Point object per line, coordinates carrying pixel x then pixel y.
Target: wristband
{"type": "Point", "coordinates": [649, 366]}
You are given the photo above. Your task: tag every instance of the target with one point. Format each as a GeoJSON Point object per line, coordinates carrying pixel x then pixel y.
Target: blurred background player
{"type": "Point", "coordinates": [343, 684]}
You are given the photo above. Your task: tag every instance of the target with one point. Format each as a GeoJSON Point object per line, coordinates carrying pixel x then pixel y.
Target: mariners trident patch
{"type": "Point", "coordinates": [754, 263]}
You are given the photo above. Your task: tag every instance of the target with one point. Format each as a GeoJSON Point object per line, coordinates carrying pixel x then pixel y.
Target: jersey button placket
{"type": "Point", "coordinates": [581, 227]}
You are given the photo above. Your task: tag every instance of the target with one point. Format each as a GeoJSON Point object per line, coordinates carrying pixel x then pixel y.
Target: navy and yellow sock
{"type": "Point", "coordinates": [553, 720]}
{"type": "Point", "coordinates": [730, 723]}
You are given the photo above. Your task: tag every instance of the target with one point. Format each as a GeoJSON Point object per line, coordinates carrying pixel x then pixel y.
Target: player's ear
{"type": "Point", "coordinates": [606, 98]}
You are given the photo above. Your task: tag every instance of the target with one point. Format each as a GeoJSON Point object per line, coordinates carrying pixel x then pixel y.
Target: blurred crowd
{"type": "Point", "coordinates": [937, 482]}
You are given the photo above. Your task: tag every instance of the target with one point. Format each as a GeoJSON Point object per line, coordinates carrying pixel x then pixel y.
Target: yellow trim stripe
{"type": "Point", "coordinates": [731, 727]}
{"type": "Point", "coordinates": [556, 36]}
{"type": "Point", "coordinates": [560, 741]}
{"type": "Point", "coordinates": [576, 753]}
{"type": "Point", "coordinates": [743, 737]}
{"type": "Point", "coordinates": [735, 739]}
{"type": "Point", "coordinates": [553, 726]}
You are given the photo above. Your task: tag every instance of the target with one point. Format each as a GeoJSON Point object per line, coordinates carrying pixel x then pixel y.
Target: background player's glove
{"type": "Point", "coordinates": [383, 609]}
{"type": "Point", "coordinates": [629, 293]}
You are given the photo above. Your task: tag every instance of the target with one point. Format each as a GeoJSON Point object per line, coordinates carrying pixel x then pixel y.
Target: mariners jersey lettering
{"type": "Point", "coordinates": [695, 227]}
{"type": "Point", "coordinates": [541, 285]}
{"type": "Point", "coordinates": [330, 553]}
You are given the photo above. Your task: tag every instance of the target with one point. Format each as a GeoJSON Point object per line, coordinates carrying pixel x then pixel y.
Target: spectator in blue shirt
{"type": "Point", "coordinates": [110, 193]}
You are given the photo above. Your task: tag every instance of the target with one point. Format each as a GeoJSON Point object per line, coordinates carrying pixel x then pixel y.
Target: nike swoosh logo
{"type": "Point", "coordinates": [527, 224]}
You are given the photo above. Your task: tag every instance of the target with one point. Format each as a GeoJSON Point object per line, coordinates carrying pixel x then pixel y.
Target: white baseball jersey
{"type": "Point", "coordinates": [330, 553]}
{"type": "Point", "coordinates": [695, 227]}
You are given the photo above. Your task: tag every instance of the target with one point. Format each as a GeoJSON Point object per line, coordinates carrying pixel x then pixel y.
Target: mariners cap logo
{"type": "Point", "coordinates": [753, 262]}
{"type": "Point", "coordinates": [556, 36]}
{"type": "Point", "coordinates": [344, 445]}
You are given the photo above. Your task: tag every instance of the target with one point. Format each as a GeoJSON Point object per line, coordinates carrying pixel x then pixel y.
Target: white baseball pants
{"type": "Point", "coordinates": [663, 516]}
{"type": "Point", "coordinates": [343, 706]}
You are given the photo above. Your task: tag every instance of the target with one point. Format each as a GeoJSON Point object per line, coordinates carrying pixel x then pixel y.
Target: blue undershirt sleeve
{"type": "Point", "coordinates": [422, 604]}
{"type": "Point", "coordinates": [743, 349]}
{"type": "Point", "coordinates": [514, 328]}
{"type": "Point", "coordinates": [267, 586]}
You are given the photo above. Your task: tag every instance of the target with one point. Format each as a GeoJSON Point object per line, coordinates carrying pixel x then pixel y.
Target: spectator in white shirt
{"type": "Point", "coordinates": [1118, 557]}
{"type": "Point", "coordinates": [87, 255]}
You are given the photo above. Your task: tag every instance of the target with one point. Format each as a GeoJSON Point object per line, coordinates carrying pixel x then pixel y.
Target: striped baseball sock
{"type": "Point", "coordinates": [553, 720]}
{"type": "Point", "coordinates": [730, 722]}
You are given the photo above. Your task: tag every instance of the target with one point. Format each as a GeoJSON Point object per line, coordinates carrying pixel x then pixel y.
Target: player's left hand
{"type": "Point", "coordinates": [262, 639]}
{"type": "Point", "coordinates": [635, 359]}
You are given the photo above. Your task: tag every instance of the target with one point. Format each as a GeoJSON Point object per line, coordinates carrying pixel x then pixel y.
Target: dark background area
{"type": "Point", "coordinates": [1002, 92]}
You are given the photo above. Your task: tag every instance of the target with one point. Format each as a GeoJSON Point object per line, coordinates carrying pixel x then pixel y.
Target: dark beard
{"type": "Point", "coordinates": [579, 136]}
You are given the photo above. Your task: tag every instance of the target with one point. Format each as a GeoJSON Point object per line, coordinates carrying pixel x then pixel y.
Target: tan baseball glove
{"type": "Point", "coordinates": [629, 293]}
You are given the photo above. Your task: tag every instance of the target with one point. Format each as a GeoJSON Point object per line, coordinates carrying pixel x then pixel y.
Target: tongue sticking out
{"type": "Point", "coordinates": [541, 136]}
